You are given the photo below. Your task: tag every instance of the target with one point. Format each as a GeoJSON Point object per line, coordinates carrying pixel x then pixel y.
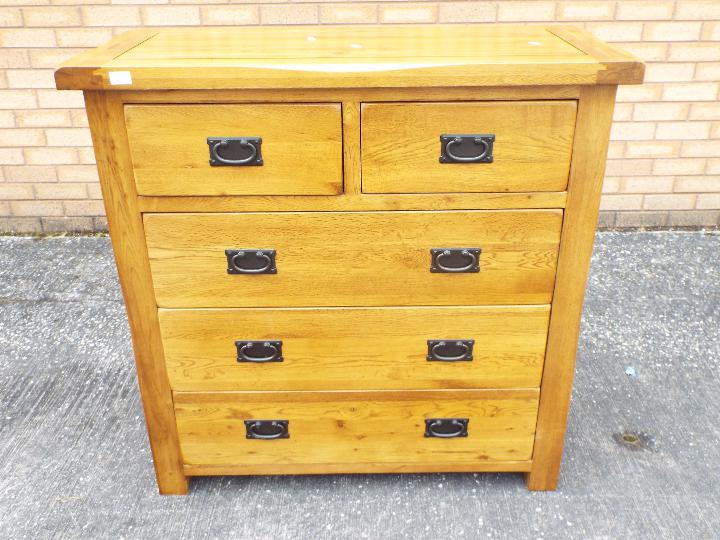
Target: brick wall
{"type": "Point", "coordinates": [664, 158]}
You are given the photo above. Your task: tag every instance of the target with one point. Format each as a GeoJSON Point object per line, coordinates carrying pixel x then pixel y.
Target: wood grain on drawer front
{"type": "Point", "coordinates": [355, 348]}
{"type": "Point", "coordinates": [401, 146]}
{"type": "Point", "coordinates": [353, 258]}
{"type": "Point", "coordinates": [355, 427]}
{"type": "Point", "coordinates": [301, 149]}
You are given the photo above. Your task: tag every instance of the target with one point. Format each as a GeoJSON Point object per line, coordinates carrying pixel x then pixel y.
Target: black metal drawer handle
{"type": "Point", "coordinates": [462, 347]}
{"type": "Point", "coordinates": [259, 351]}
{"type": "Point", "coordinates": [267, 429]}
{"type": "Point", "coordinates": [251, 261]}
{"type": "Point", "coordinates": [457, 260]}
{"type": "Point", "coordinates": [446, 428]}
{"type": "Point", "coordinates": [451, 144]}
{"type": "Point", "coordinates": [238, 151]}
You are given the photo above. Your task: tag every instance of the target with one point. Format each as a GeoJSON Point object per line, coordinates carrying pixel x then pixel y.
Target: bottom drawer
{"type": "Point", "coordinates": [337, 431]}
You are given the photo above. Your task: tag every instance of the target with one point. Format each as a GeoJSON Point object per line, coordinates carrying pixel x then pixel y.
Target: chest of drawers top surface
{"type": "Point", "coordinates": [353, 249]}
{"type": "Point", "coordinates": [350, 57]}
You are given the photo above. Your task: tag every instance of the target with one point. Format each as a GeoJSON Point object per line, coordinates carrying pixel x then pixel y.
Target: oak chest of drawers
{"type": "Point", "coordinates": [353, 249]}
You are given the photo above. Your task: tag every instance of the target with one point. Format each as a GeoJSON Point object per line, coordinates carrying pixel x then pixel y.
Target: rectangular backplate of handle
{"type": "Point", "coordinates": [235, 151]}
{"type": "Point", "coordinates": [450, 350]}
{"type": "Point", "coordinates": [251, 261]}
{"type": "Point", "coordinates": [259, 352]}
{"type": "Point", "coordinates": [467, 148]}
{"type": "Point", "coordinates": [455, 260]}
{"type": "Point", "coordinates": [446, 428]}
{"type": "Point", "coordinates": [267, 429]}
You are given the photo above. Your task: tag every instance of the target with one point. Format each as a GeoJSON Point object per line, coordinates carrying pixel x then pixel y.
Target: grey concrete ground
{"type": "Point", "coordinates": [74, 460]}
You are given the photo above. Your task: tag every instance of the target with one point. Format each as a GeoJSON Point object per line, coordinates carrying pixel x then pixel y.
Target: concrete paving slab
{"type": "Point", "coordinates": [75, 463]}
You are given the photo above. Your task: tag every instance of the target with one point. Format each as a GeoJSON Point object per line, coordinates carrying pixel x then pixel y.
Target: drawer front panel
{"type": "Point", "coordinates": [530, 143]}
{"type": "Point", "coordinates": [352, 259]}
{"type": "Point", "coordinates": [300, 146]}
{"type": "Point", "coordinates": [355, 427]}
{"type": "Point", "coordinates": [355, 348]}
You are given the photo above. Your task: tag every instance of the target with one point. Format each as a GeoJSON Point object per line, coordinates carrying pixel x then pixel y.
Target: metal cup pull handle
{"type": "Point", "coordinates": [461, 148]}
{"type": "Point", "coordinates": [259, 352]}
{"type": "Point", "coordinates": [251, 261]}
{"type": "Point", "coordinates": [455, 260]}
{"type": "Point", "coordinates": [440, 350]}
{"type": "Point", "coordinates": [221, 148]}
{"type": "Point", "coordinates": [267, 429]}
{"type": "Point", "coordinates": [446, 428]}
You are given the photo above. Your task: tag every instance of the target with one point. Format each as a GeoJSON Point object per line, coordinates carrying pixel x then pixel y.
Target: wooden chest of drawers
{"type": "Point", "coordinates": [353, 249]}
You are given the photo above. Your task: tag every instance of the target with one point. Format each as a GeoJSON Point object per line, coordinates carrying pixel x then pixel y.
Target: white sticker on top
{"type": "Point", "coordinates": [119, 77]}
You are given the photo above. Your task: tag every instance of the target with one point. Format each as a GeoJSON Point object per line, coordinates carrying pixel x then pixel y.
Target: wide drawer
{"type": "Point", "coordinates": [316, 428]}
{"type": "Point", "coordinates": [299, 145]}
{"type": "Point", "coordinates": [354, 348]}
{"type": "Point", "coordinates": [353, 258]}
{"type": "Point", "coordinates": [525, 146]}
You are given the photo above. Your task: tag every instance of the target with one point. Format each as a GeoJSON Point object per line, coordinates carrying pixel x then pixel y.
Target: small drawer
{"type": "Point", "coordinates": [359, 259]}
{"type": "Point", "coordinates": [249, 149]}
{"type": "Point", "coordinates": [521, 146]}
{"type": "Point", "coordinates": [354, 348]}
{"type": "Point", "coordinates": [312, 428]}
